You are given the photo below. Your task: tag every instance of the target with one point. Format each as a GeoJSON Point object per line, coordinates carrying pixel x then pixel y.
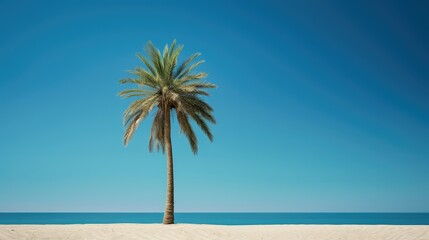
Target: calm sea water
{"type": "Point", "coordinates": [219, 218]}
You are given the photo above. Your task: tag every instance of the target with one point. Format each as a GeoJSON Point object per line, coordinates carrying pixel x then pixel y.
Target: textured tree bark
{"type": "Point", "coordinates": [169, 204]}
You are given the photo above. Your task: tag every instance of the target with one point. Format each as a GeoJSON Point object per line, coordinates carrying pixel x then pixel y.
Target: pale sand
{"type": "Point", "coordinates": [210, 232]}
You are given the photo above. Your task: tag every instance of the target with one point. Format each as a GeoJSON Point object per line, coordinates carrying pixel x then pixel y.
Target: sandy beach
{"type": "Point", "coordinates": [201, 232]}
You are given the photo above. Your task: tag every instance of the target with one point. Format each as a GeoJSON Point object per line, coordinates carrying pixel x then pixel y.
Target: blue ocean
{"type": "Point", "coordinates": [219, 218]}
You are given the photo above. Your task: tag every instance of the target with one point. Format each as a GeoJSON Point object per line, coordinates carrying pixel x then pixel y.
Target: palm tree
{"type": "Point", "coordinates": [168, 88]}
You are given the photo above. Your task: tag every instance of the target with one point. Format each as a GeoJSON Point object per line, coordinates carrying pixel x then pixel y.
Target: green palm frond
{"type": "Point", "coordinates": [183, 66]}
{"type": "Point", "coordinates": [136, 113]}
{"type": "Point", "coordinates": [201, 85]}
{"type": "Point", "coordinates": [147, 64]}
{"type": "Point", "coordinates": [135, 93]}
{"type": "Point", "coordinates": [191, 78]}
{"type": "Point", "coordinates": [205, 113]}
{"type": "Point", "coordinates": [186, 129]}
{"type": "Point", "coordinates": [166, 85]}
{"type": "Point", "coordinates": [201, 121]}
{"type": "Point", "coordinates": [187, 71]}
{"type": "Point", "coordinates": [155, 57]}
{"type": "Point", "coordinates": [157, 132]}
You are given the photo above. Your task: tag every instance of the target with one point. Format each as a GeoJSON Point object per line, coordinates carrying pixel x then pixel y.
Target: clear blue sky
{"type": "Point", "coordinates": [321, 106]}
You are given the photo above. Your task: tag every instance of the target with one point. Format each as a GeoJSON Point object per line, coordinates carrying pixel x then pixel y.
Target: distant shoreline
{"type": "Point", "coordinates": [219, 218]}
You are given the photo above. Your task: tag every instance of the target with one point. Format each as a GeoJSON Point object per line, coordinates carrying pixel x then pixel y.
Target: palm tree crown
{"type": "Point", "coordinates": [166, 86]}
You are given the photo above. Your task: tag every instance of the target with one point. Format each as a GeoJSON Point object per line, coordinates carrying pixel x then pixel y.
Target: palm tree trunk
{"type": "Point", "coordinates": [169, 204]}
